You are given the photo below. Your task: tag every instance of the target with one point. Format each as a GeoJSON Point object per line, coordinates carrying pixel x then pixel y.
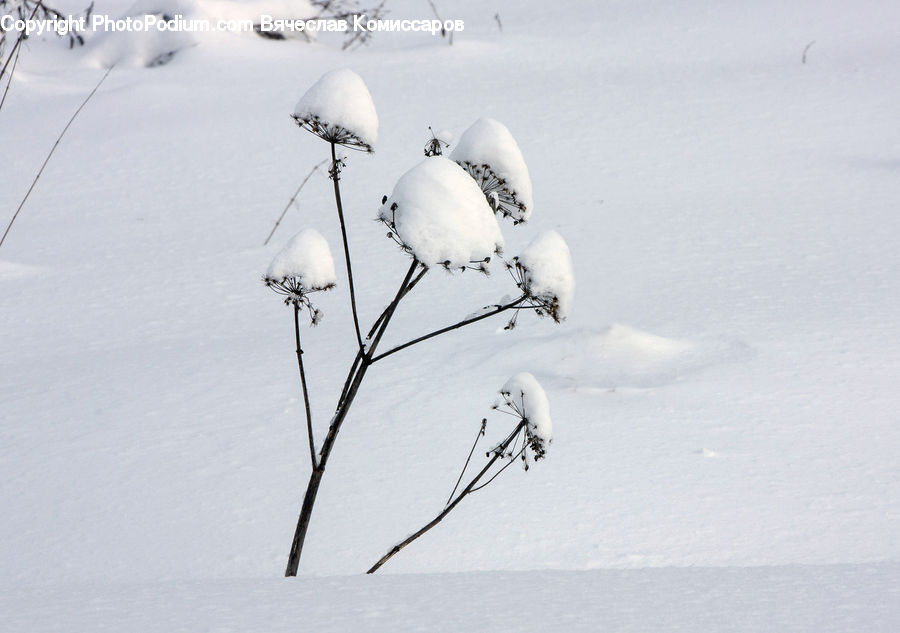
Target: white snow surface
{"type": "Point", "coordinates": [489, 142]}
{"type": "Point", "coordinates": [442, 215]}
{"type": "Point", "coordinates": [340, 98]}
{"type": "Point", "coordinates": [526, 396]}
{"type": "Point", "coordinates": [725, 387]}
{"type": "Point", "coordinates": [306, 257]}
{"type": "Point", "coordinates": [548, 270]}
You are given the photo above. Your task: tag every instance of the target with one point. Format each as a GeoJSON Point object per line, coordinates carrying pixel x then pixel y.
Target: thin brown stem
{"type": "Point", "coordinates": [455, 326]}
{"type": "Point", "coordinates": [291, 201]}
{"type": "Point", "coordinates": [309, 428]}
{"type": "Point", "coordinates": [468, 459]}
{"type": "Point", "coordinates": [53, 149]}
{"type": "Point", "coordinates": [12, 72]}
{"type": "Point", "coordinates": [335, 178]}
{"type": "Point", "coordinates": [18, 42]}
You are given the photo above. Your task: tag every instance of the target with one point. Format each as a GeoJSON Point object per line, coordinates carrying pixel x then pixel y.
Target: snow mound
{"type": "Point", "coordinates": [150, 48]}
{"type": "Point", "coordinates": [545, 274]}
{"type": "Point", "coordinates": [524, 395]}
{"type": "Point", "coordinates": [620, 358]}
{"type": "Point", "coordinates": [440, 216]}
{"type": "Point", "coordinates": [307, 260]}
{"type": "Point", "coordinates": [339, 109]}
{"type": "Point", "coordinates": [492, 157]}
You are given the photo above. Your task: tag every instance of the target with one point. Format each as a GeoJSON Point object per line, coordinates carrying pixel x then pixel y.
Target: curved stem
{"type": "Point", "coordinates": [52, 149]}
{"type": "Point", "coordinates": [340, 209]}
{"type": "Point", "coordinates": [309, 428]}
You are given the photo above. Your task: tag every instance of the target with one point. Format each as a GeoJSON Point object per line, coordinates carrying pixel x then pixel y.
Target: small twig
{"type": "Point", "coordinates": [806, 50]}
{"type": "Point", "coordinates": [309, 428]}
{"type": "Point", "coordinates": [291, 201]}
{"type": "Point", "coordinates": [477, 437]}
{"type": "Point", "coordinates": [499, 23]}
{"type": "Point", "coordinates": [53, 149]}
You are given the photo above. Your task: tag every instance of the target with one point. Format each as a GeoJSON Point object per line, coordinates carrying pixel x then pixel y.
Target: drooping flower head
{"type": "Point", "coordinates": [302, 267]}
{"type": "Point", "coordinates": [525, 398]}
{"type": "Point", "coordinates": [439, 216]}
{"type": "Point", "coordinates": [339, 109]}
{"type": "Point", "coordinates": [544, 273]}
{"type": "Point", "coordinates": [490, 154]}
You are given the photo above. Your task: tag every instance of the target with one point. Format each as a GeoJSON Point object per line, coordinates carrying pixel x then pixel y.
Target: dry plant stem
{"type": "Point", "coordinates": [455, 326]}
{"type": "Point", "coordinates": [498, 453]}
{"type": "Point", "coordinates": [12, 72]}
{"type": "Point", "coordinates": [309, 428]}
{"type": "Point", "coordinates": [291, 201]}
{"type": "Point", "coordinates": [18, 42]}
{"type": "Point", "coordinates": [53, 149]}
{"type": "Point", "coordinates": [340, 209]}
{"type": "Point", "coordinates": [357, 373]}
{"type": "Point", "coordinates": [468, 459]}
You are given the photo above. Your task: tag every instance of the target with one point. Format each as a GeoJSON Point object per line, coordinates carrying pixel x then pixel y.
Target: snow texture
{"type": "Point", "coordinates": [150, 48]}
{"type": "Point", "coordinates": [491, 155]}
{"type": "Point", "coordinates": [441, 216]}
{"type": "Point", "coordinates": [339, 108]}
{"type": "Point", "coordinates": [524, 395]}
{"type": "Point", "coordinates": [548, 277]}
{"type": "Point", "coordinates": [306, 258]}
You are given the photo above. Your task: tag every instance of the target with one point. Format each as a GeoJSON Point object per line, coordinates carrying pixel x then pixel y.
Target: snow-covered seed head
{"type": "Point", "coordinates": [525, 398]}
{"type": "Point", "coordinates": [491, 156]}
{"type": "Point", "coordinates": [302, 267]}
{"type": "Point", "coordinates": [339, 109]}
{"type": "Point", "coordinates": [544, 274]}
{"type": "Point", "coordinates": [440, 217]}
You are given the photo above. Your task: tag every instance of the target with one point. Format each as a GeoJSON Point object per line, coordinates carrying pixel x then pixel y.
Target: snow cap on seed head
{"type": "Point", "coordinates": [339, 109]}
{"type": "Point", "coordinates": [490, 154]}
{"type": "Point", "coordinates": [544, 273]}
{"type": "Point", "coordinates": [525, 397]}
{"type": "Point", "coordinates": [439, 216]}
{"type": "Point", "coordinates": [302, 267]}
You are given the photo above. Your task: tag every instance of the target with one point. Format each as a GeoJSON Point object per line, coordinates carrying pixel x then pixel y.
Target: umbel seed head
{"type": "Point", "coordinates": [339, 109]}
{"type": "Point", "coordinates": [302, 267]}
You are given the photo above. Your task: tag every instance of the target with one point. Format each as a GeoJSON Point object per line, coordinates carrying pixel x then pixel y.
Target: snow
{"type": "Point", "coordinates": [306, 258]}
{"type": "Point", "coordinates": [787, 599]}
{"type": "Point", "coordinates": [149, 48]}
{"type": "Point", "coordinates": [488, 146]}
{"type": "Point", "coordinates": [441, 216]}
{"type": "Point", "coordinates": [547, 273]}
{"type": "Point", "coordinates": [726, 383]}
{"type": "Point", "coordinates": [340, 107]}
{"type": "Point", "coordinates": [523, 394]}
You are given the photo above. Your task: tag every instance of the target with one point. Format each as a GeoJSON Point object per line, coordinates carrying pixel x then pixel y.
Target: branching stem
{"type": "Point", "coordinates": [497, 454]}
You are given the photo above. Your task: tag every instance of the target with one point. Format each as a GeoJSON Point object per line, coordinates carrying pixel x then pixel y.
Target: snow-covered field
{"type": "Point", "coordinates": [724, 392]}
